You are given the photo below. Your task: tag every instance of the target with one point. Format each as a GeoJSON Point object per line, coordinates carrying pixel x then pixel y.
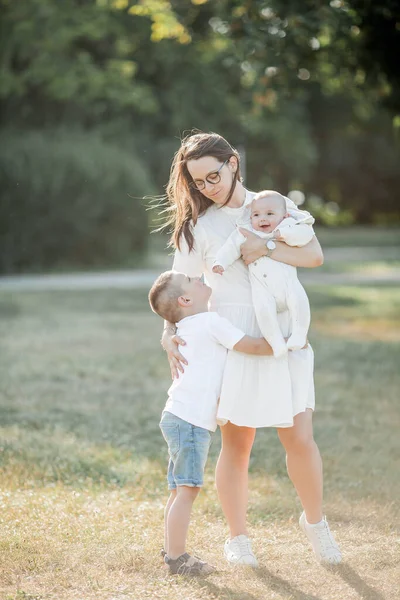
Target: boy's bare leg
{"type": "Point", "coordinates": [166, 512]}
{"type": "Point", "coordinates": [178, 519]}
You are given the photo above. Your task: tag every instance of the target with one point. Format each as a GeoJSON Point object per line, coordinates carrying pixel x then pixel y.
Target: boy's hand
{"type": "Point", "coordinates": [218, 269]}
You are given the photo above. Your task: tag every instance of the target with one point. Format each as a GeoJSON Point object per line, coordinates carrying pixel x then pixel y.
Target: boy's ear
{"type": "Point", "coordinates": [185, 301]}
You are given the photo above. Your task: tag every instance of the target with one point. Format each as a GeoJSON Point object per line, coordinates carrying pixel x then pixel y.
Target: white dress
{"type": "Point", "coordinates": [254, 388]}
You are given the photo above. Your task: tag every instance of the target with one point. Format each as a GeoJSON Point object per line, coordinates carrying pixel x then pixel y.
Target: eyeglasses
{"type": "Point", "coordinates": [212, 178]}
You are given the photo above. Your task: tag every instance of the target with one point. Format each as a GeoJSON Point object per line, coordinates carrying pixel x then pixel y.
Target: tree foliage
{"type": "Point", "coordinates": [310, 88]}
{"type": "Point", "coordinates": [68, 198]}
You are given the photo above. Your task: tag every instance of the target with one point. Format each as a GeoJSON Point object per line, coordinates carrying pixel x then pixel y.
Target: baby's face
{"type": "Point", "coordinates": [267, 213]}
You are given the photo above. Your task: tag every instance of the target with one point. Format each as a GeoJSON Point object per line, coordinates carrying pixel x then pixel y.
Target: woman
{"type": "Point", "coordinates": [206, 198]}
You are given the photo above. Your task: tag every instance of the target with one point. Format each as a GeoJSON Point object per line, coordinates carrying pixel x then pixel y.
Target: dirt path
{"type": "Point", "coordinates": [131, 279]}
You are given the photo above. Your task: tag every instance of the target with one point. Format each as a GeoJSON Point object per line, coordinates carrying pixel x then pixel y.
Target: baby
{"type": "Point", "coordinates": [190, 414]}
{"type": "Point", "coordinates": [275, 286]}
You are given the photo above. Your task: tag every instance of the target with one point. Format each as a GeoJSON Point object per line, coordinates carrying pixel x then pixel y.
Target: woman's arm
{"type": "Point", "coordinates": [171, 342]}
{"type": "Point", "coordinates": [309, 255]}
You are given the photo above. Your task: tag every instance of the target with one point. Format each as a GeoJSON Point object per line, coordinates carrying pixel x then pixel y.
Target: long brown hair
{"type": "Point", "coordinates": [186, 203]}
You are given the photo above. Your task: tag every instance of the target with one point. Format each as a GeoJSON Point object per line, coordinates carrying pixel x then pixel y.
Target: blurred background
{"type": "Point", "coordinates": [94, 98]}
{"type": "Point", "coordinates": [95, 95]}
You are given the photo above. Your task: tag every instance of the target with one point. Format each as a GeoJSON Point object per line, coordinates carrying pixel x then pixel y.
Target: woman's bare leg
{"type": "Point", "coordinates": [304, 464]}
{"type": "Point", "coordinates": [231, 475]}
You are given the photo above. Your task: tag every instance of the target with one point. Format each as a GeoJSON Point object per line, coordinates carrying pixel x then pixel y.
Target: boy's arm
{"type": "Point", "coordinates": [252, 345]}
{"type": "Point", "coordinates": [233, 338]}
{"type": "Point", "coordinates": [230, 251]}
{"type": "Point", "coordinates": [258, 346]}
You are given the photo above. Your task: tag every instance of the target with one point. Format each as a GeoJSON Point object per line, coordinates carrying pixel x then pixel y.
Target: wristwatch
{"type": "Point", "coordinates": [270, 247]}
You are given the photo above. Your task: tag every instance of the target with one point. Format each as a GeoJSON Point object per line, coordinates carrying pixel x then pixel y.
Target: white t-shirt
{"type": "Point", "coordinates": [193, 397]}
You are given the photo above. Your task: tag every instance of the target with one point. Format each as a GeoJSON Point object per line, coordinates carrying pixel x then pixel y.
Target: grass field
{"type": "Point", "coordinates": [83, 382]}
{"type": "Point", "coordinates": [358, 236]}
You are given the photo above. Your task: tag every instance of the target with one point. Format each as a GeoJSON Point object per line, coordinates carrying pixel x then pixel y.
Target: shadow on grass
{"type": "Point", "coordinates": [279, 585]}
{"type": "Point", "coordinates": [225, 593]}
{"type": "Point", "coordinates": [365, 591]}
{"type": "Point", "coordinates": [273, 582]}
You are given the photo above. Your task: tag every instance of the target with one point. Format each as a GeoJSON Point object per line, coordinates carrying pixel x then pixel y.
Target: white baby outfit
{"type": "Point", "coordinates": [194, 395]}
{"type": "Point", "coordinates": [257, 391]}
{"type": "Point", "coordinates": [274, 285]}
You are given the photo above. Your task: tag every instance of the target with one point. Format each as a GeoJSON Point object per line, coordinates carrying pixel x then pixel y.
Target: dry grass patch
{"type": "Point", "coordinates": [362, 313]}
{"type": "Point", "coordinates": [83, 464]}
{"type": "Point", "coordinates": [106, 545]}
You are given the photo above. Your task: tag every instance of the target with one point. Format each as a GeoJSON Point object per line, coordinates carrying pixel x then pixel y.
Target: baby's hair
{"type": "Point", "coordinates": [270, 194]}
{"type": "Point", "coordinates": [163, 297]}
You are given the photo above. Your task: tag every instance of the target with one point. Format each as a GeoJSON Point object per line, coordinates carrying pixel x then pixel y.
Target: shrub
{"type": "Point", "coordinates": [69, 199]}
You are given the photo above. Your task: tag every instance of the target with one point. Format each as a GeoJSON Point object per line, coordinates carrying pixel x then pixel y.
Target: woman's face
{"type": "Point", "coordinates": [216, 176]}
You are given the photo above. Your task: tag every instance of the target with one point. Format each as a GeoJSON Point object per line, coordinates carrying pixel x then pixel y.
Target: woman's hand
{"type": "Point", "coordinates": [171, 342]}
{"type": "Point", "coordinates": [254, 247]}
{"type": "Point", "coordinates": [308, 256]}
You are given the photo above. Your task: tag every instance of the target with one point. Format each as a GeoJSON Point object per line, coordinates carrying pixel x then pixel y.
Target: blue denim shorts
{"type": "Point", "coordinates": [188, 447]}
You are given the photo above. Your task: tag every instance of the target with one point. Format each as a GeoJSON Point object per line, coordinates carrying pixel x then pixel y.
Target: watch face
{"type": "Point", "coordinates": [271, 245]}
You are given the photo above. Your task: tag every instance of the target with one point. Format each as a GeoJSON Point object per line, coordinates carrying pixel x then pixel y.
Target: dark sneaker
{"type": "Point", "coordinates": [188, 565]}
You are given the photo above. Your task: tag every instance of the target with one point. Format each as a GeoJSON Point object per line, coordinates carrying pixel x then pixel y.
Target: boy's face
{"type": "Point", "coordinates": [194, 291]}
{"type": "Point", "coordinates": [267, 213]}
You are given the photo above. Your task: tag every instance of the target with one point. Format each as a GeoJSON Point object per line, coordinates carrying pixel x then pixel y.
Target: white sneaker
{"type": "Point", "coordinates": [324, 545]}
{"type": "Point", "coordinates": [238, 551]}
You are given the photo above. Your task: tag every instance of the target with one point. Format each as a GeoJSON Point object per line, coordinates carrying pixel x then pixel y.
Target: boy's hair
{"type": "Point", "coordinates": [163, 297]}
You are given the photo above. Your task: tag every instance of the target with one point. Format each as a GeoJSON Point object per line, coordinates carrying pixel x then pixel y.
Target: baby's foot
{"type": "Point", "coordinates": [278, 346]}
{"type": "Point", "coordinates": [296, 341]}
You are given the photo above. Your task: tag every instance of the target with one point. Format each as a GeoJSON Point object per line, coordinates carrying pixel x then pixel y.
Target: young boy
{"type": "Point", "coordinates": [275, 286]}
{"type": "Point", "coordinates": [189, 415]}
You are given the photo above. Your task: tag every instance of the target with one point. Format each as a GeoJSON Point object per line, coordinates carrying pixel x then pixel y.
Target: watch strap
{"type": "Point", "coordinates": [269, 250]}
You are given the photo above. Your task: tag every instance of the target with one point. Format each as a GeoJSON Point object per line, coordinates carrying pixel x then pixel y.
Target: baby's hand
{"type": "Point", "coordinates": [218, 269]}
{"type": "Point", "coordinates": [277, 236]}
